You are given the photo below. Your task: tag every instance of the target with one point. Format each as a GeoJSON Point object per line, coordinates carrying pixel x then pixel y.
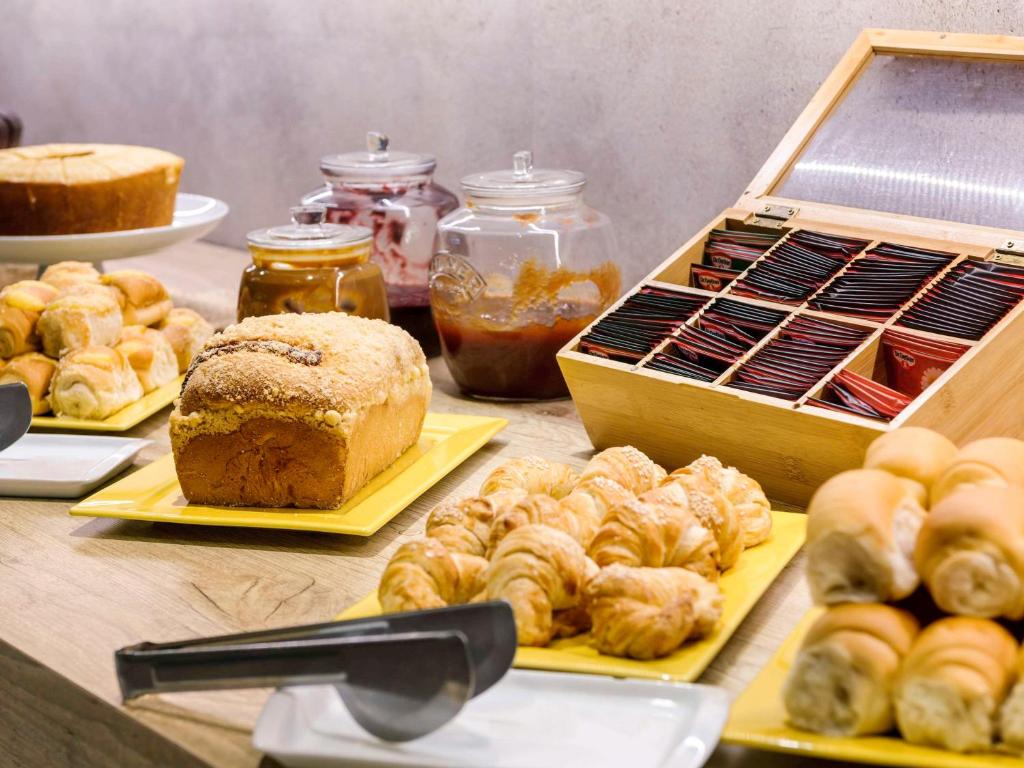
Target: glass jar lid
{"type": "Point", "coordinates": [308, 232]}
{"type": "Point", "coordinates": [377, 162]}
{"type": "Point", "coordinates": [523, 180]}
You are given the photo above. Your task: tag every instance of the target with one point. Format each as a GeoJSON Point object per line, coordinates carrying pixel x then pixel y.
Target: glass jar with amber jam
{"type": "Point", "coordinates": [310, 266]}
{"type": "Point", "coordinates": [521, 269]}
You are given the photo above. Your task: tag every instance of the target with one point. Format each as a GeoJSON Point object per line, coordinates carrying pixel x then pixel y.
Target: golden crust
{"type": "Point", "coordinates": [143, 298]}
{"type": "Point", "coordinates": [35, 371]}
{"type": "Point", "coordinates": [67, 274]}
{"type": "Point", "coordinates": [627, 466]}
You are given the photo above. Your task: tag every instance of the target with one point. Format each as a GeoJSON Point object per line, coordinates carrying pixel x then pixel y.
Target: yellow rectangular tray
{"type": "Point", "coordinates": [447, 440]}
{"type": "Point", "coordinates": [758, 720]}
{"type": "Point", "coordinates": [124, 419]}
{"type": "Point", "coordinates": [742, 585]}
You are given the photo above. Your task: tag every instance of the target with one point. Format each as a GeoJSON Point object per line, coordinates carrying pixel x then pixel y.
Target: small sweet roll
{"type": "Point", "coordinates": [1011, 716]}
{"type": "Point", "coordinates": [538, 570]}
{"type": "Point", "coordinates": [142, 298]}
{"type": "Point", "coordinates": [187, 331]}
{"type": "Point", "coordinates": [861, 529]}
{"type": "Point", "coordinates": [647, 613]}
{"type": "Point", "coordinates": [68, 274]}
{"type": "Point", "coordinates": [626, 466]}
{"type": "Point", "coordinates": [917, 454]}
{"type": "Point", "coordinates": [86, 315]}
{"type": "Point", "coordinates": [423, 574]}
{"type": "Point", "coordinates": [150, 355]}
{"type": "Point", "coordinates": [464, 525]}
{"type": "Point", "coordinates": [952, 683]}
{"type": "Point", "coordinates": [713, 509]}
{"type": "Point", "coordinates": [35, 371]}
{"type": "Point", "coordinates": [842, 680]}
{"type": "Point", "coordinates": [590, 501]}
{"type": "Point", "coordinates": [21, 304]}
{"type": "Point", "coordinates": [991, 461]}
{"type": "Point", "coordinates": [970, 552]}
{"type": "Point", "coordinates": [538, 508]}
{"type": "Point", "coordinates": [93, 383]}
{"type": "Point", "coordinates": [531, 475]}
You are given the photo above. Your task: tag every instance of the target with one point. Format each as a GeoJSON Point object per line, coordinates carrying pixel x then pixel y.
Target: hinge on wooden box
{"type": "Point", "coordinates": [1010, 252]}
{"type": "Point", "coordinates": [773, 216]}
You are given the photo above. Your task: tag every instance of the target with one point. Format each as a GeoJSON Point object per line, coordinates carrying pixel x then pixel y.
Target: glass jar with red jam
{"type": "Point", "coordinates": [310, 266]}
{"type": "Point", "coordinates": [393, 194]}
{"type": "Point", "coordinates": [520, 270]}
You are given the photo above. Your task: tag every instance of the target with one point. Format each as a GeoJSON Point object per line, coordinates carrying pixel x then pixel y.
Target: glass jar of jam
{"type": "Point", "coordinates": [393, 194]}
{"type": "Point", "coordinates": [310, 266]}
{"type": "Point", "coordinates": [520, 270]}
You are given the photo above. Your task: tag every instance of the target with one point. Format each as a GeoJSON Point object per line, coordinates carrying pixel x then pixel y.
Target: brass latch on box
{"type": "Point", "coordinates": [772, 216]}
{"type": "Point", "coordinates": [1011, 252]}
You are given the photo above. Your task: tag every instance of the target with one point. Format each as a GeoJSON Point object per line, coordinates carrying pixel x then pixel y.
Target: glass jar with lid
{"type": "Point", "coordinates": [392, 193]}
{"type": "Point", "coordinates": [311, 266]}
{"type": "Point", "coordinates": [520, 270]}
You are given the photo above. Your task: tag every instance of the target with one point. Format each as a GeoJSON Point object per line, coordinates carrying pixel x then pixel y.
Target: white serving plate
{"type": "Point", "coordinates": [528, 720]}
{"type": "Point", "coordinates": [194, 216]}
{"type": "Point", "coordinates": [63, 466]}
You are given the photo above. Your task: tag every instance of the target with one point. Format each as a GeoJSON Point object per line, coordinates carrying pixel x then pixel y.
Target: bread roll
{"type": "Point", "coordinates": [93, 383]}
{"type": "Point", "coordinates": [297, 410]}
{"type": "Point", "coordinates": [991, 461]}
{"type": "Point", "coordinates": [1011, 716]}
{"type": "Point", "coordinates": [861, 529]}
{"type": "Point", "coordinates": [970, 552]}
{"type": "Point", "coordinates": [35, 371]}
{"type": "Point", "coordinates": [952, 682]}
{"type": "Point", "coordinates": [65, 189]}
{"type": "Point", "coordinates": [187, 331]}
{"type": "Point", "coordinates": [915, 453]}
{"type": "Point", "coordinates": [82, 317]}
{"type": "Point", "coordinates": [21, 304]}
{"type": "Point", "coordinates": [142, 298]}
{"type": "Point", "coordinates": [149, 354]}
{"type": "Point", "coordinates": [531, 475]}
{"type": "Point", "coordinates": [626, 466]}
{"type": "Point", "coordinates": [67, 274]}
{"type": "Point", "coordinates": [842, 680]}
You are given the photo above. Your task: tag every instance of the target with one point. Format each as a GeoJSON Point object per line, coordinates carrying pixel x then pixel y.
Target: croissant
{"type": "Point", "coordinates": [21, 304]}
{"type": "Point", "coordinates": [861, 528]}
{"type": "Point", "coordinates": [34, 370]}
{"type": "Point", "coordinates": [545, 510]}
{"type": "Point", "coordinates": [626, 466]}
{"type": "Point", "coordinates": [531, 474]}
{"type": "Point", "coordinates": [646, 613]}
{"type": "Point", "coordinates": [743, 492]}
{"type": "Point", "coordinates": [1011, 716]}
{"type": "Point", "coordinates": [423, 574]}
{"type": "Point", "coordinates": [464, 525]}
{"type": "Point", "coordinates": [715, 512]}
{"type": "Point", "coordinates": [991, 461]}
{"type": "Point", "coordinates": [970, 552]}
{"type": "Point", "coordinates": [67, 274]}
{"type": "Point", "coordinates": [590, 501]}
{"type": "Point", "coordinates": [916, 454]}
{"type": "Point", "coordinates": [538, 570]}
{"type": "Point", "coordinates": [841, 682]}
{"type": "Point", "coordinates": [952, 682]}
{"type": "Point", "coordinates": [658, 529]}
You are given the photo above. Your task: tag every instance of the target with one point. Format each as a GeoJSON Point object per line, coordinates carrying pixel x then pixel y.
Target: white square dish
{"type": "Point", "coordinates": [63, 466]}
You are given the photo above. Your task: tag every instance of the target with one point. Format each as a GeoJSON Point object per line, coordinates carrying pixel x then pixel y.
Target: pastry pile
{"type": "Point", "coordinates": [920, 514]}
{"type": "Point", "coordinates": [86, 345]}
{"type": "Point", "coordinates": [621, 550]}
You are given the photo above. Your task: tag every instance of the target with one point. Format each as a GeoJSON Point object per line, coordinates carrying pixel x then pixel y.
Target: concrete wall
{"type": "Point", "coordinates": [670, 108]}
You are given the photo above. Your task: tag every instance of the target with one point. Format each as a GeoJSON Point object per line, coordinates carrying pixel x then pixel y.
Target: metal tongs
{"type": "Point", "coordinates": [15, 413]}
{"type": "Point", "coordinates": [401, 676]}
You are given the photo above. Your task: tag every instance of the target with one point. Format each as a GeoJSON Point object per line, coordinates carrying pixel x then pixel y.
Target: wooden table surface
{"type": "Point", "coordinates": [72, 590]}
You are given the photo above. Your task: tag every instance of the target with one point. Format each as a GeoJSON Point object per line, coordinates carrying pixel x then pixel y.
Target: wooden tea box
{"type": "Point", "coordinates": [913, 140]}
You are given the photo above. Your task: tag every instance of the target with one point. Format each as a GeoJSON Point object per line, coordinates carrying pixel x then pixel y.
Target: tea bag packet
{"type": "Point", "coordinates": [640, 323]}
{"type": "Point", "coordinates": [733, 251]}
{"type": "Point", "coordinates": [912, 363]}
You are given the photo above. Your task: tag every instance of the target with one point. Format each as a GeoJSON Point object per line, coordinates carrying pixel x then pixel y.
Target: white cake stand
{"type": "Point", "coordinates": [194, 216]}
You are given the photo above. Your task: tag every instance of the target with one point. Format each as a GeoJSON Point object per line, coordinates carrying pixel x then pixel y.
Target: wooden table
{"type": "Point", "coordinates": [73, 590]}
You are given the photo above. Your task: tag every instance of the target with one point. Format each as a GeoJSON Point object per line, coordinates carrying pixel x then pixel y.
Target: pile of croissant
{"type": "Point", "coordinates": [920, 514]}
{"type": "Point", "coordinates": [621, 550]}
{"type": "Point", "coordinates": [86, 345]}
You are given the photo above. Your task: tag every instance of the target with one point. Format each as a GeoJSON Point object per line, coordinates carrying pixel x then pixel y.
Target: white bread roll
{"type": "Point", "coordinates": [991, 461]}
{"type": "Point", "coordinates": [952, 683]}
{"type": "Point", "coordinates": [841, 682]}
{"type": "Point", "coordinates": [861, 529]}
{"type": "Point", "coordinates": [1011, 717]}
{"type": "Point", "coordinates": [970, 552]}
{"type": "Point", "coordinates": [917, 454]}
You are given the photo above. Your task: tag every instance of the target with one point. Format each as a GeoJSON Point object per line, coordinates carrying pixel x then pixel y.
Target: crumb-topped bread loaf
{"type": "Point", "coordinates": [297, 410]}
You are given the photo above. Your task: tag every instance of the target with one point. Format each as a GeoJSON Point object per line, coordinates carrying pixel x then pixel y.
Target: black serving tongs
{"type": "Point", "coordinates": [401, 676]}
{"type": "Point", "coordinates": [15, 413]}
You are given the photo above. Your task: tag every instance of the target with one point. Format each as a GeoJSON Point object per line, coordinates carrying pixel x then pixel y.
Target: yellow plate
{"type": "Point", "coordinates": [124, 419]}
{"type": "Point", "coordinates": [447, 440]}
{"type": "Point", "coordinates": [742, 585]}
{"type": "Point", "coordinates": [758, 720]}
